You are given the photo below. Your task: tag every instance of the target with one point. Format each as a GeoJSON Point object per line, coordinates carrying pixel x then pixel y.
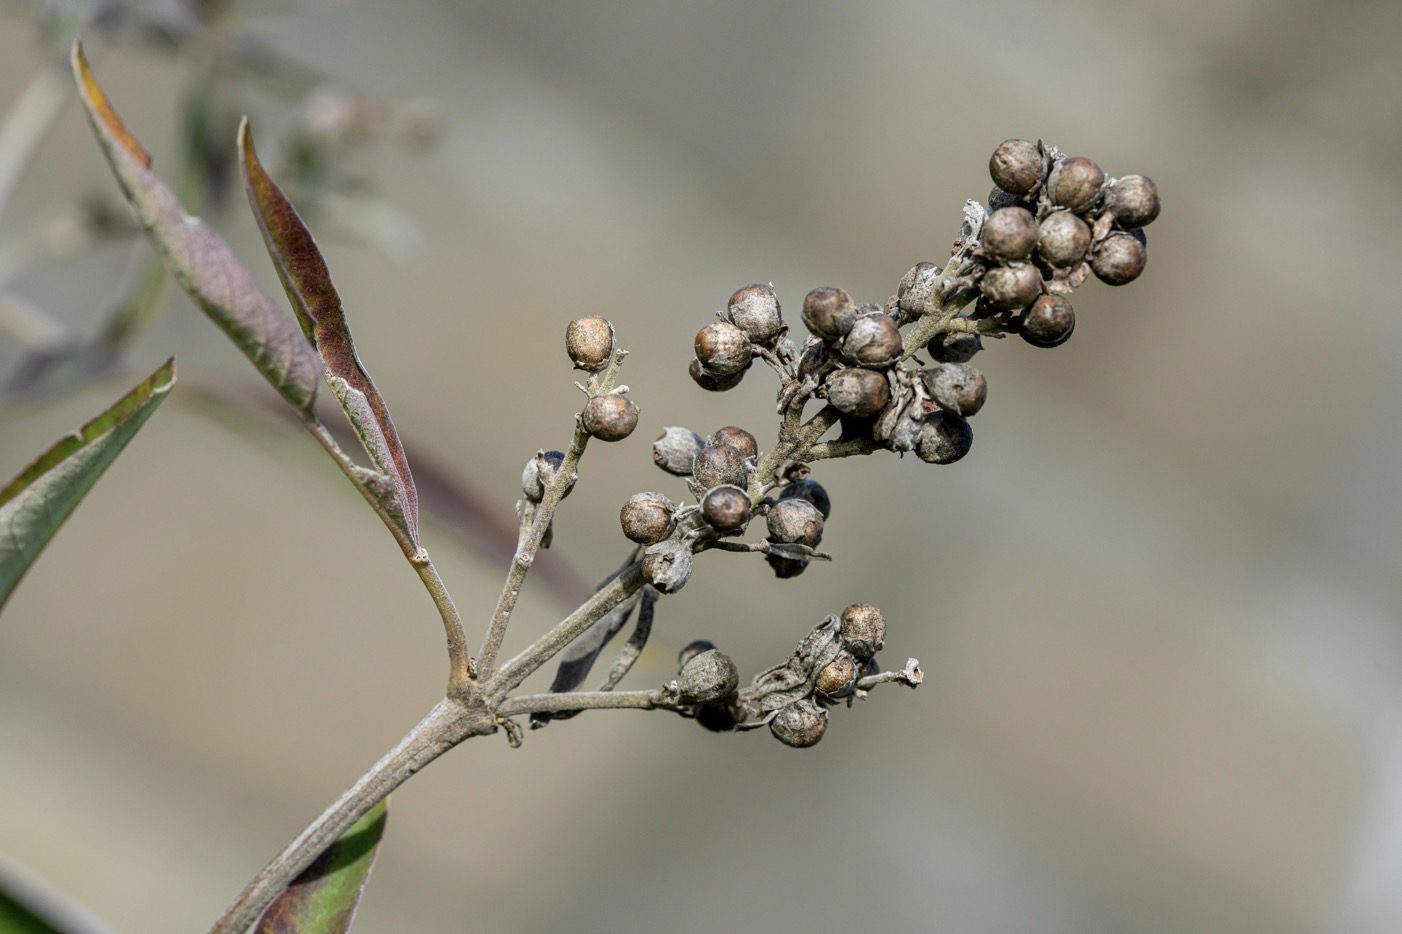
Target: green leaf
{"type": "Point", "coordinates": [200, 260]}
{"type": "Point", "coordinates": [34, 504]}
{"type": "Point", "coordinates": [323, 899]}
{"type": "Point", "coordinates": [307, 281]}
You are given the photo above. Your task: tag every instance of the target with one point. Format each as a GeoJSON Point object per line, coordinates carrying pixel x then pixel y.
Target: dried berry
{"type": "Point", "coordinates": [1048, 322]}
{"type": "Point", "coordinates": [647, 518]}
{"type": "Point", "coordinates": [589, 342]}
{"type": "Point", "coordinates": [1075, 183]}
{"type": "Point", "coordinates": [1063, 239]}
{"type": "Point", "coordinates": [1133, 200]}
{"type": "Point", "coordinates": [710, 381]}
{"type": "Point", "coordinates": [944, 438]}
{"type": "Point", "coordinates": [828, 312]}
{"type": "Point", "coordinates": [874, 341]}
{"type": "Point", "coordinates": [800, 724]}
{"type": "Point", "coordinates": [755, 310]}
{"type": "Point", "coordinates": [835, 679]}
{"type": "Point", "coordinates": [718, 718]}
{"type": "Point", "coordinates": [610, 417]}
{"type": "Point", "coordinates": [814, 359]}
{"type": "Point", "coordinates": [719, 464]}
{"type": "Point", "coordinates": [1016, 166]}
{"type": "Point", "coordinates": [810, 490]}
{"type": "Point", "coordinates": [917, 289]}
{"type": "Point", "coordinates": [957, 388]}
{"type": "Point", "coordinates": [954, 346]}
{"type": "Point", "coordinates": [723, 349]}
{"type": "Point", "coordinates": [675, 450]}
{"type": "Point", "coordinates": [708, 677]}
{"type": "Point", "coordinates": [1009, 234]}
{"type": "Point", "coordinates": [784, 568]}
{"type": "Point", "coordinates": [795, 521]}
{"type": "Point", "coordinates": [863, 630]}
{"type": "Point", "coordinates": [737, 438]}
{"type": "Point", "coordinates": [858, 391]}
{"type": "Point", "coordinates": [540, 471]}
{"type": "Point", "coordinates": [726, 507]}
{"type": "Point", "coordinates": [693, 649]}
{"type": "Point", "coordinates": [667, 566]}
{"type": "Point", "coordinates": [1011, 286]}
{"type": "Point", "coordinates": [1119, 259]}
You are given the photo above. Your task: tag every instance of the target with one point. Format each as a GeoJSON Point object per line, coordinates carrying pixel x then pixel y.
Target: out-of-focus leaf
{"type": "Point", "coordinates": [308, 283]}
{"type": "Point", "coordinates": [34, 504]}
{"type": "Point", "coordinates": [199, 258]}
{"type": "Point", "coordinates": [323, 899]}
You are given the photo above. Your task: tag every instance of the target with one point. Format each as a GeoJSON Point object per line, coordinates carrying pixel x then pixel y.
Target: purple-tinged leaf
{"type": "Point", "coordinates": [34, 504]}
{"type": "Point", "coordinates": [308, 283]}
{"type": "Point", "coordinates": [323, 899]}
{"type": "Point", "coordinates": [199, 258]}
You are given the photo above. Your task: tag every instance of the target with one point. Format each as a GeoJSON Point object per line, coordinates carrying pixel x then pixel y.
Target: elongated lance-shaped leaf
{"type": "Point", "coordinates": [323, 899]}
{"type": "Point", "coordinates": [34, 504]}
{"type": "Point", "coordinates": [199, 259]}
{"type": "Point", "coordinates": [308, 283]}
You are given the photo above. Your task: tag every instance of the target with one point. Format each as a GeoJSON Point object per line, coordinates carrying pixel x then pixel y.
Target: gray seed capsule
{"type": "Point", "coordinates": [1011, 286]}
{"type": "Point", "coordinates": [801, 724]}
{"type": "Point", "coordinates": [944, 438]}
{"type": "Point", "coordinates": [647, 518]}
{"type": "Point", "coordinates": [917, 288]}
{"type": "Point", "coordinates": [795, 521]}
{"type": "Point", "coordinates": [1009, 234]}
{"type": "Point", "coordinates": [874, 341]}
{"type": "Point", "coordinates": [723, 349]}
{"type": "Point", "coordinates": [1133, 200]}
{"type": "Point", "coordinates": [1063, 239]}
{"type": "Point", "coordinates": [1016, 166]}
{"type": "Point", "coordinates": [707, 678]}
{"type": "Point", "coordinates": [755, 310]}
{"type": "Point", "coordinates": [957, 388]}
{"type": "Point", "coordinates": [610, 417]}
{"type": "Point", "coordinates": [676, 449]}
{"type": "Point", "coordinates": [667, 566]}
{"type": "Point", "coordinates": [719, 464]}
{"type": "Point", "coordinates": [539, 471]}
{"type": "Point", "coordinates": [858, 391]}
{"type": "Point", "coordinates": [693, 649]}
{"type": "Point", "coordinates": [589, 341]}
{"type": "Point", "coordinates": [863, 630]}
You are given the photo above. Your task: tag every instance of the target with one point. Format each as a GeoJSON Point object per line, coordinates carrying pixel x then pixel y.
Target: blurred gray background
{"type": "Point", "coordinates": [1157, 606]}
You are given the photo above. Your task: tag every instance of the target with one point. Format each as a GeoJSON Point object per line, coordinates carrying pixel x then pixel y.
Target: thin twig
{"type": "Point", "coordinates": [627, 655]}
{"type": "Point", "coordinates": [825, 450]}
{"type": "Point", "coordinates": [586, 700]}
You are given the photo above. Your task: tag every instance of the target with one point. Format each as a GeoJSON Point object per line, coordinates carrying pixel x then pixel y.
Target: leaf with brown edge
{"type": "Point", "coordinates": [34, 504]}
{"type": "Point", "coordinates": [307, 280]}
{"type": "Point", "coordinates": [199, 259]}
{"type": "Point", "coordinates": [323, 899]}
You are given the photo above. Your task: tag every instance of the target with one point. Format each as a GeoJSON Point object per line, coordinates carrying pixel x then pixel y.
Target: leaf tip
{"type": "Point", "coordinates": [100, 108]}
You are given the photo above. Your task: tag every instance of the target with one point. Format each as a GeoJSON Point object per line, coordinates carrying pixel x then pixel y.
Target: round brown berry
{"type": "Point", "coordinates": [858, 391]}
{"type": "Point", "coordinates": [540, 471]}
{"type": "Point", "coordinates": [800, 724]}
{"type": "Point", "coordinates": [795, 521]}
{"type": "Point", "coordinates": [737, 438]}
{"type": "Point", "coordinates": [957, 388]}
{"type": "Point", "coordinates": [719, 464]}
{"type": "Point", "coordinates": [726, 507]}
{"type": "Point", "coordinates": [589, 342]}
{"type": "Point", "coordinates": [828, 312]}
{"type": "Point", "coordinates": [944, 438]}
{"type": "Point", "coordinates": [1075, 183]}
{"type": "Point", "coordinates": [1016, 166]}
{"type": "Point", "coordinates": [1009, 234]}
{"type": "Point", "coordinates": [954, 346]}
{"type": "Point", "coordinates": [675, 450]}
{"type": "Point", "coordinates": [1011, 286]}
{"type": "Point", "coordinates": [810, 490]}
{"type": "Point", "coordinates": [917, 288]}
{"type": "Point", "coordinates": [610, 417]}
{"type": "Point", "coordinates": [835, 679]}
{"type": "Point", "coordinates": [1063, 239]}
{"type": "Point", "coordinates": [723, 349]}
{"type": "Point", "coordinates": [1133, 200]}
{"type": "Point", "coordinates": [1048, 322]}
{"type": "Point", "coordinates": [755, 310]}
{"type": "Point", "coordinates": [863, 630]}
{"type": "Point", "coordinates": [707, 678]}
{"type": "Point", "coordinates": [874, 341]}
{"type": "Point", "coordinates": [710, 381]}
{"type": "Point", "coordinates": [667, 566]}
{"type": "Point", "coordinates": [1119, 259]}
{"type": "Point", "coordinates": [647, 518]}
